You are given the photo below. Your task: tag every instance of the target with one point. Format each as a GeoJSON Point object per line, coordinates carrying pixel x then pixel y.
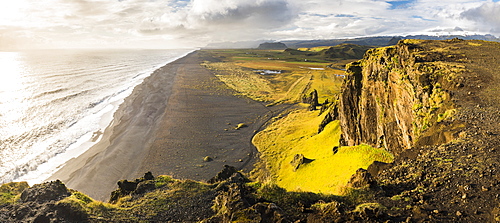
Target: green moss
{"type": "Point", "coordinates": [162, 180]}
{"type": "Point", "coordinates": [396, 197]}
{"type": "Point", "coordinates": [81, 197]}
{"type": "Point", "coordinates": [10, 192]}
{"type": "Point", "coordinates": [101, 209]}
{"type": "Point", "coordinates": [297, 134]}
{"type": "Point", "coordinates": [446, 115]}
{"type": "Point", "coordinates": [369, 206]}
{"type": "Point", "coordinates": [417, 106]}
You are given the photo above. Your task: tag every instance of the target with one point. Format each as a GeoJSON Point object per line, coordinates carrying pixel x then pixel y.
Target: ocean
{"type": "Point", "coordinates": [55, 104]}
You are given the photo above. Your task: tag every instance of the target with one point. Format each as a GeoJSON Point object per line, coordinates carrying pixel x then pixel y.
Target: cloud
{"type": "Point", "coordinates": [262, 14]}
{"type": "Point", "coordinates": [487, 16]}
{"type": "Point", "coordinates": [205, 20]}
{"type": "Point", "coordinates": [197, 22]}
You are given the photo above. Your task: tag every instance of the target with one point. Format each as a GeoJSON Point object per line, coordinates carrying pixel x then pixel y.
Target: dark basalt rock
{"type": "Point", "coordinates": [144, 187]}
{"type": "Point", "coordinates": [139, 186]}
{"type": "Point", "coordinates": [362, 179]}
{"type": "Point", "coordinates": [311, 99]}
{"type": "Point", "coordinates": [42, 203]}
{"type": "Point", "coordinates": [298, 160]}
{"type": "Point", "coordinates": [148, 176]}
{"type": "Point", "coordinates": [224, 174]}
{"type": "Point", "coordinates": [50, 191]}
{"type": "Point", "coordinates": [377, 166]}
{"type": "Point", "coordinates": [333, 114]}
{"type": "Point", "coordinates": [127, 186]}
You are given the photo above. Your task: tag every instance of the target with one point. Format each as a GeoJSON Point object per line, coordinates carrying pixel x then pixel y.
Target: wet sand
{"type": "Point", "coordinates": [176, 117]}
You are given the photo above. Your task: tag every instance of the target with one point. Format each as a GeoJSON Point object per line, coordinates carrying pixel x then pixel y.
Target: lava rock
{"type": "Point", "coordinates": [298, 160]}
{"type": "Point", "coordinates": [224, 174]}
{"type": "Point", "coordinates": [362, 179]}
{"type": "Point", "coordinates": [50, 191]}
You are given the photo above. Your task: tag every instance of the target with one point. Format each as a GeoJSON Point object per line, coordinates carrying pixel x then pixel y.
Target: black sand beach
{"type": "Point", "coordinates": [176, 117]}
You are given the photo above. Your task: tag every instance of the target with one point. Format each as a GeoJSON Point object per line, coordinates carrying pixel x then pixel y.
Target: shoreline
{"type": "Point", "coordinates": [85, 131]}
{"type": "Point", "coordinates": [167, 125]}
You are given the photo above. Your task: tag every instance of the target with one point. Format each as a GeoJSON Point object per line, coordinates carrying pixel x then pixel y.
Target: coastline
{"type": "Point", "coordinates": [170, 122]}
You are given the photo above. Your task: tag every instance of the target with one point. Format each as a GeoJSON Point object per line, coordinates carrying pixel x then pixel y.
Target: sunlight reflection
{"type": "Point", "coordinates": [12, 93]}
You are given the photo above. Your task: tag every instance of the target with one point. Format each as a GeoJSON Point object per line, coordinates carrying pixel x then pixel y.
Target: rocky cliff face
{"type": "Point", "coordinates": [398, 97]}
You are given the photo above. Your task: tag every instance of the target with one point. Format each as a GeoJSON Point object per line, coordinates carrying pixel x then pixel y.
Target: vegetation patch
{"type": "Point", "coordinates": [10, 192]}
{"type": "Point", "coordinates": [331, 167]}
{"type": "Point", "coordinates": [238, 70]}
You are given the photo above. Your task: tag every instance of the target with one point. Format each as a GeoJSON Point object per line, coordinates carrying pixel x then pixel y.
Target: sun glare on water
{"type": "Point", "coordinates": [12, 93]}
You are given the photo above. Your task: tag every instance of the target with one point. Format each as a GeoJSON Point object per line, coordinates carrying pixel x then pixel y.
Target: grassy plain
{"type": "Point", "coordinates": [240, 70]}
{"type": "Point", "coordinates": [295, 132]}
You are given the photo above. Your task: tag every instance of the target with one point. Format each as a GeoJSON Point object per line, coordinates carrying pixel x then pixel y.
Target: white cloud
{"type": "Point", "coordinates": [176, 23]}
{"type": "Point", "coordinates": [486, 16]}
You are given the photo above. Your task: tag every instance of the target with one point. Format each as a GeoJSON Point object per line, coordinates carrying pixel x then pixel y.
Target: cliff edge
{"type": "Point", "coordinates": [399, 97]}
{"type": "Point", "coordinates": [434, 104]}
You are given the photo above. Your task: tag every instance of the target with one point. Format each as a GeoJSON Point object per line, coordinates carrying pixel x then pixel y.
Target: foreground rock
{"type": "Point", "coordinates": [42, 203]}
{"type": "Point", "coordinates": [231, 197]}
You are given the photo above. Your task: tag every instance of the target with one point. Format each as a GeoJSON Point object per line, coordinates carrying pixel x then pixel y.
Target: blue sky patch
{"type": "Point", "coordinates": [400, 4]}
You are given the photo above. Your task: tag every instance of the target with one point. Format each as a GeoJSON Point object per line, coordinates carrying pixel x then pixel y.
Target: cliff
{"type": "Point", "coordinates": [435, 105]}
{"type": "Point", "coordinates": [397, 96]}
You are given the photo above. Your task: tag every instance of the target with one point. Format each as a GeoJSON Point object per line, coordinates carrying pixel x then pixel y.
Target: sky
{"type": "Point", "coordinates": [27, 24]}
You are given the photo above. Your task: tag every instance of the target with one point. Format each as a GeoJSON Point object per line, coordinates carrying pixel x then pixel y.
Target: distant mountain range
{"type": "Point", "coordinates": [365, 41]}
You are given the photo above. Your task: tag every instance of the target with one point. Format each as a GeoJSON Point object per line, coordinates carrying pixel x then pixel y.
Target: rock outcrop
{"type": "Point", "coordinates": [311, 99]}
{"type": "Point", "coordinates": [362, 178]}
{"type": "Point", "coordinates": [395, 95]}
{"type": "Point", "coordinates": [138, 186]}
{"type": "Point", "coordinates": [42, 203]}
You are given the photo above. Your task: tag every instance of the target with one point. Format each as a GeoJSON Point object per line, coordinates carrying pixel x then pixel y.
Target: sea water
{"type": "Point", "coordinates": [55, 104]}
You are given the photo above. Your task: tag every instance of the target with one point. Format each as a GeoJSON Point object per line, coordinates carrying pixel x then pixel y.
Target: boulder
{"type": "Point", "coordinates": [326, 212]}
{"type": "Point", "coordinates": [126, 185]}
{"type": "Point", "coordinates": [139, 186]}
{"type": "Point", "coordinates": [49, 191]}
{"type": "Point", "coordinates": [207, 159]}
{"type": "Point", "coordinates": [335, 150]}
{"type": "Point", "coordinates": [145, 186]}
{"type": "Point", "coordinates": [149, 176]}
{"type": "Point", "coordinates": [224, 174]}
{"type": "Point", "coordinates": [362, 179]}
{"type": "Point", "coordinates": [377, 166]}
{"type": "Point", "coordinates": [298, 160]}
